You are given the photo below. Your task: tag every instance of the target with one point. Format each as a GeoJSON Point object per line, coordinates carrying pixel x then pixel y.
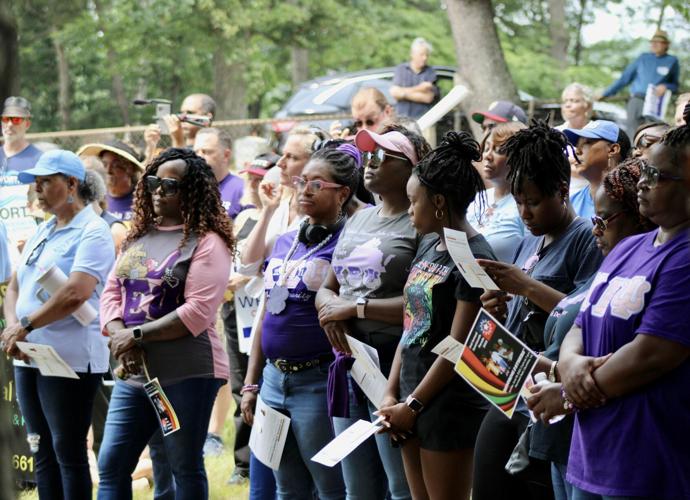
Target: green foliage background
{"type": "Point", "coordinates": [164, 48]}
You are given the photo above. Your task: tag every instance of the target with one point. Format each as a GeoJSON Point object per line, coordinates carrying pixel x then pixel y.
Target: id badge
{"type": "Point", "coordinates": [164, 410]}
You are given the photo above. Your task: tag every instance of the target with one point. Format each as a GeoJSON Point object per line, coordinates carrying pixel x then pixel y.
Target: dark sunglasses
{"type": "Point", "coordinates": [16, 120]}
{"type": "Point", "coordinates": [169, 187]}
{"type": "Point", "coordinates": [36, 252]}
{"type": "Point", "coordinates": [377, 157]}
{"type": "Point", "coordinates": [647, 141]}
{"type": "Point", "coordinates": [368, 122]}
{"type": "Point", "coordinates": [652, 175]}
{"type": "Point", "coordinates": [601, 223]}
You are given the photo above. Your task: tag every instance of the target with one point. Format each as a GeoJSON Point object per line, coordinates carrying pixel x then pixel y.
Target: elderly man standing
{"type": "Point", "coordinates": [414, 82]}
{"type": "Point", "coordinates": [657, 68]}
{"type": "Point", "coordinates": [16, 154]}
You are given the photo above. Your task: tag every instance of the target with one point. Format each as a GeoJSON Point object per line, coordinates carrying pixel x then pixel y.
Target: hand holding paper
{"type": "Point", "coordinates": [459, 250]}
{"type": "Point", "coordinates": [49, 362]}
{"type": "Point", "coordinates": [508, 278]}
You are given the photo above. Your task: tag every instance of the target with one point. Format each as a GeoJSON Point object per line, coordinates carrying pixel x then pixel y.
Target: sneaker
{"type": "Point", "coordinates": [213, 446]}
{"type": "Point", "coordinates": [239, 477]}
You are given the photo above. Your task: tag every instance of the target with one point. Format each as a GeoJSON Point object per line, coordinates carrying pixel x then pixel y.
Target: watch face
{"type": "Point", "coordinates": [25, 322]}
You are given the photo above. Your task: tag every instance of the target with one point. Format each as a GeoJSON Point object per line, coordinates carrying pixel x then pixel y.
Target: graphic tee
{"type": "Point", "coordinates": [120, 206]}
{"type": "Point", "coordinates": [637, 445]}
{"type": "Point", "coordinates": [295, 333]}
{"type": "Point", "coordinates": [231, 191]}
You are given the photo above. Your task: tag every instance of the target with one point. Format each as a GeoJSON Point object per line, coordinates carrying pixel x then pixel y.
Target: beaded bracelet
{"type": "Point", "coordinates": [250, 388]}
{"type": "Point", "coordinates": [567, 404]}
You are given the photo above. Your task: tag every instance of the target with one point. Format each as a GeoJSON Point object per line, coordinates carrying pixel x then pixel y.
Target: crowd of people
{"type": "Point", "coordinates": [585, 231]}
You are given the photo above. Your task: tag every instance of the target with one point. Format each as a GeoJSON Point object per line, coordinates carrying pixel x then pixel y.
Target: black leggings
{"type": "Point", "coordinates": [497, 437]}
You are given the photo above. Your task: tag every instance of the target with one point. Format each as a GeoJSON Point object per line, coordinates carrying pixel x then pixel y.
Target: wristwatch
{"type": "Point", "coordinates": [414, 404]}
{"type": "Point", "coordinates": [137, 334]}
{"type": "Point", "coordinates": [26, 324]}
{"type": "Point", "coordinates": [361, 306]}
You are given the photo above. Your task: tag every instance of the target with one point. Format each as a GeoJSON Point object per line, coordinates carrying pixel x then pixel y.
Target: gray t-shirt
{"type": "Point", "coordinates": [372, 259]}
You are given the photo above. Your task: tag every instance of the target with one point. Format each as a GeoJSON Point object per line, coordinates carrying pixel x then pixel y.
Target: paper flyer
{"type": "Point", "coordinates": [269, 433]}
{"type": "Point", "coordinates": [49, 362]}
{"type": "Point", "coordinates": [655, 106]}
{"type": "Point", "coordinates": [495, 363]}
{"type": "Point", "coordinates": [346, 442]}
{"type": "Point", "coordinates": [459, 250]}
{"type": "Point", "coordinates": [366, 372]}
{"type": "Point", "coordinates": [449, 348]}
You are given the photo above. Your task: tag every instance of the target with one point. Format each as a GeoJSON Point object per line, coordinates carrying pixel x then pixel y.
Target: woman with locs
{"type": "Point", "coordinates": [290, 353]}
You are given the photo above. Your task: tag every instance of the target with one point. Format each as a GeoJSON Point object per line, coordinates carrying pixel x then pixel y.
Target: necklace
{"type": "Point", "coordinates": [277, 297]}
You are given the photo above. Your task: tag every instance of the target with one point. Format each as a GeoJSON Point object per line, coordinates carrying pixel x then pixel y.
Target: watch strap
{"type": "Point", "coordinates": [26, 324]}
{"type": "Point", "coordinates": [361, 307]}
{"type": "Point", "coordinates": [414, 404]}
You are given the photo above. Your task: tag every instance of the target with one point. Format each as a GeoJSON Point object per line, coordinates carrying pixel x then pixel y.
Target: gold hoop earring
{"type": "Point", "coordinates": [436, 214]}
{"type": "Point", "coordinates": [612, 163]}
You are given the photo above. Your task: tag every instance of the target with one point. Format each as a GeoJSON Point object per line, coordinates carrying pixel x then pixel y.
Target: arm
{"type": "Point", "coordinates": [625, 79]}
{"type": "Point", "coordinates": [254, 249]}
{"type": "Point", "coordinates": [575, 371]}
{"type": "Point", "coordinates": [10, 305]}
{"type": "Point", "coordinates": [673, 77]}
{"type": "Point", "coordinates": [422, 93]}
{"type": "Point", "coordinates": [253, 376]}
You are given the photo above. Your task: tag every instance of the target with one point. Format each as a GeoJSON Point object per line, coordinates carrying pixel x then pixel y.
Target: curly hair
{"type": "Point", "coordinates": [537, 154]}
{"type": "Point", "coordinates": [620, 184]}
{"type": "Point", "coordinates": [448, 170]}
{"type": "Point", "coordinates": [200, 204]}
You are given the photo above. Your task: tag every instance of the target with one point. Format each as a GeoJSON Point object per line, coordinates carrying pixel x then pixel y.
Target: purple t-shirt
{"type": "Point", "coordinates": [120, 206]}
{"type": "Point", "coordinates": [231, 191]}
{"type": "Point", "coordinates": [637, 444]}
{"type": "Point", "coordinates": [295, 333]}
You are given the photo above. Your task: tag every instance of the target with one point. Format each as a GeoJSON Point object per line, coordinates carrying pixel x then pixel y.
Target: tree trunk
{"type": "Point", "coordinates": [299, 63]}
{"type": "Point", "coordinates": [578, 33]}
{"type": "Point", "coordinates": [118, 86]}
{"type": "Point", "coordinates": [229, 89]}
{"type": "Point", "coordinates": [63, 81]}
{"type": "Point", "coordinates": [660, 20]}
{"type": "Point", "coordinates": [558, 33]}
{"type": "Point", "coordinates": [9, 53]}
{"type": "Point", "coordinates": [481, 63]}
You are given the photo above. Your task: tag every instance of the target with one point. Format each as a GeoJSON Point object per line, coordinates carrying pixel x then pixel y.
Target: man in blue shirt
{"type": "Point", "coordinates": [656, 68]}
{"type": "Point", "coordinates": [16, 154]}
{"type": "Point", "coordinates": [414, 83]}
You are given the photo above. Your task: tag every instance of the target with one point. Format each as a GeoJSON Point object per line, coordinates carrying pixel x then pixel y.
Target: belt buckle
{"type": "Point", "coordinates": [281, 364]}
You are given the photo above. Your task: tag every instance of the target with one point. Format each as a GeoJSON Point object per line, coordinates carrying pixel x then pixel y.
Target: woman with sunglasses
{"type": "Point", "coordinates": [77, 243]}
{"type": "Point", "coordinates": [637, 316]}
{"type": "Point", "coordinates": [290, 353]}
{"type": "Point", "coordinates": [362, 297]}
{"type": "Point", "coordinates": [424, 396]}
{"type": "Point", "coordinates": [500, 221]}
{"type": "Point", "coordinates": [617, 217]}
{"type": "Point", "coordinates": [646, 136]}
{"type": "Point", "coordinates": [159, 309]}
{"type": "Point", "coordinates": [557, 256]}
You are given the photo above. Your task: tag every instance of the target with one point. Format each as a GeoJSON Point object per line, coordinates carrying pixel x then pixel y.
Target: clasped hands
{"type": "Point", "coordinates": [124, 348]}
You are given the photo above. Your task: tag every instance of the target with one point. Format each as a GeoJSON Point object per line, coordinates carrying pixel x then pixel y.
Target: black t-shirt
{"type": "Point", "coordinates": [433, 288]}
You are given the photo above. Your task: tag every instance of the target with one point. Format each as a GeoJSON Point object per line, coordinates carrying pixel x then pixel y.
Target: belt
{"type": "Point", "coordinates": [287, 366]}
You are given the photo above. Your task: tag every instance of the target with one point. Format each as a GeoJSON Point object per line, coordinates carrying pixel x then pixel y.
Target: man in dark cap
{"type": "Point", "coordinates": [657, 68]}
{"type": "Point", "coordinates": [499, 112]}
{"type": "Point", "coordinates": [16, 154]}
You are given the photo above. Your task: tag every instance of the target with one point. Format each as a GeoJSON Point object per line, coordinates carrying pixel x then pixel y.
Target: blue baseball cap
{"type": "Point", "coordinates": [597, 129]}
{"type": "Point", "coordinates": [56, 161]}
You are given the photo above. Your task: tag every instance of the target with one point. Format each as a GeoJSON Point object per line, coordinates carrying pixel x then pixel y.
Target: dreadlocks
{"type": "Point", "coordinates": [537, 154]}
{"type": "Point", "coordinates": [678, 139]}
{"type": "Point", "coordinates": [202, 210]}
{"type": "Point", "coordinates": [620, 184]}
{"type": "Point", "coordinates": [448, 170]}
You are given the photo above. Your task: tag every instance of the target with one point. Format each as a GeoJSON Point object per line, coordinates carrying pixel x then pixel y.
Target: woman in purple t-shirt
{"type": "Point", "coordinates": [634, 409]}
{"type": "Point", "coordinates": [291, 346]}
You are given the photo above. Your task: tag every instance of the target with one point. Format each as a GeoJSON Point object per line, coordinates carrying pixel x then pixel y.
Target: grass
{"type": "Point", "coordinates": [218, 470]}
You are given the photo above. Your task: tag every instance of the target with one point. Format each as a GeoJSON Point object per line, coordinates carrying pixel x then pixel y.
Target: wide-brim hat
{"type": "Point", "coordinates": [118, 148]}
{"type": "Point", "coordinates": [660, 36]}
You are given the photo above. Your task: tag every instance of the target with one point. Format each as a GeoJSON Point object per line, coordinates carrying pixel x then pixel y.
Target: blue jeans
{"type": "Point", "coordinates": [562, 489]}
{"type": "Point", "coordinates": [262, 484]}
{"type": "Point", "coordinates": [131, 423]}
{"type": "Point", "coordinates": [302, 397]}
{"type": "Point", "coordinates": [59, 411]}
{"type": "Point", "coordinates": [375, 469]}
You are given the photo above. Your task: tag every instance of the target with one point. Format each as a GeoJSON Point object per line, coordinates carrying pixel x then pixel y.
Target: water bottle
{"type": "Point", "coordinates": [33, 439]}
{"type": "Point", "coordinates": [541, 379]}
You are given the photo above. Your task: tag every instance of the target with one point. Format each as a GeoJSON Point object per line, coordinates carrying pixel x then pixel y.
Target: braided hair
{"type": "Point", "coordinates": [344, 165]}
{"type": "Point", "coordinates": [448, 170]}
{"type": "Point", "coordinates": [537, 154]}
{"type": "Point", "coordinates": [200, 204]}
{"type": "Point", "coordinates": [620, 184]}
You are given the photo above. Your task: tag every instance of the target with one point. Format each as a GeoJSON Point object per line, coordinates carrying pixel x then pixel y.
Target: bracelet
{"type": "Point", "coordinates": [254, 388]}
{"type": "Point", "coordinates": [552, 372]}
{"type": "Point", "coordinates": [567, 404]}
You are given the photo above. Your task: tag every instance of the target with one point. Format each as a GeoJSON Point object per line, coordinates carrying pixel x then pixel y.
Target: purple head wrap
{"type": "Point", "coordinates": [351, 150]}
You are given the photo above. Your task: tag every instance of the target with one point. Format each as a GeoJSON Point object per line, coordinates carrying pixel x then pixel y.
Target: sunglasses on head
{"type": "Point", "coordinates": [169, 187]}
{"type": "Point", "coordinates": [378, 156]}
{"type": "Point", "coordinates": [652, 175]}
{"type": "Point", "coordinates": [314, 186]}
{"type": "Point", "coordinates": [16, 120]}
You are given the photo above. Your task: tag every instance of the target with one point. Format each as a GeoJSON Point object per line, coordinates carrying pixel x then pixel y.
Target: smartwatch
{"type": "Point", "coordinates": [361, 306]}
{"type": "Point", "coordinates": [414, 404]}
{"type": "Point", "coordinates": [26, 324]}
{"type": "Point", "coordinates": [137, 334]}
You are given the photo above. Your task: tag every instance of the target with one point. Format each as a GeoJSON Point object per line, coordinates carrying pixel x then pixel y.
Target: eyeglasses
{"type": "Point", "coordinates": [652, 175]}
{"type": "Point", "coordinates": [36, 252]}
{"type": "Point", "coordinates": [647, 141]}
{"type": "Point", "coordinates": [16, 120]}
{"type": "Point", "coordinates": [379, 156]}
{"type": "Point", "coordinates": [314, 186]}
{"type": "Point", "coordinates": [601, 223]}
{"type": "Point", "coordinates": [369, 122]}
{"type": "Point", "coordinates": [169, 187]}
